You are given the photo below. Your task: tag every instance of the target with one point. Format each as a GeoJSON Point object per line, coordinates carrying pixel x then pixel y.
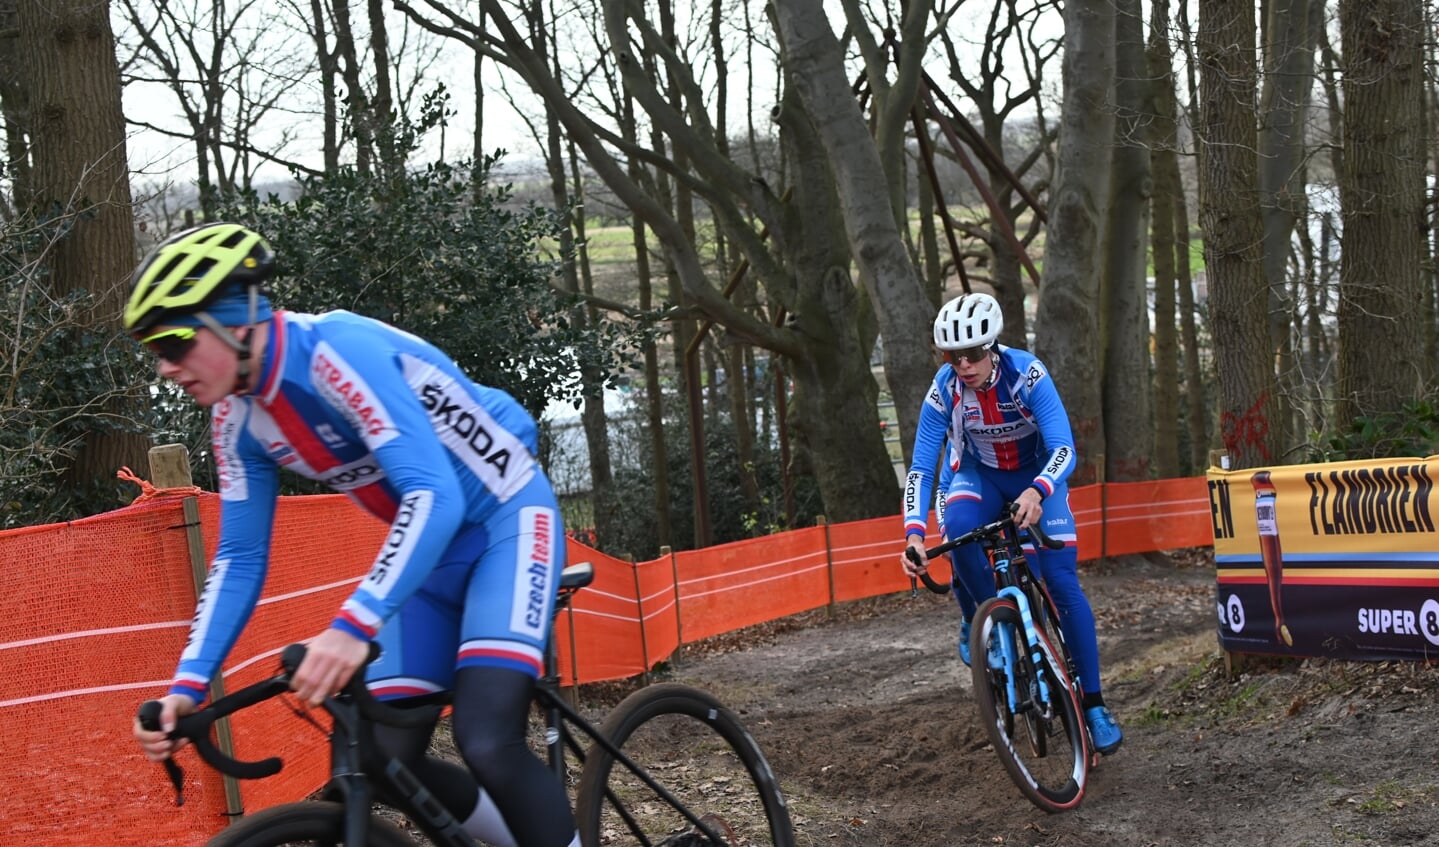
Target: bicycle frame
{"type": "Point", "coordinates": [360, 771]}
{"type": "Point", "coordinates": [355, 763]}
{"type": "Point", "coordinates": [1002, 546]}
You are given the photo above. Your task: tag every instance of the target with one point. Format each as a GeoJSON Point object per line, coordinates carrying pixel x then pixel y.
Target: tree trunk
{"type": "Point", "coordinates": [1381, 190]}
{"type": "Point", "coordinates": [1162, 141]}
{"type": "Point", "coordinates": [1124, 315]}
{"type": "Point", "coordinates": [836, 396]}
{"type": "Point", "coordinates": [1233, 233]}
{"type": "Point", "coordinates": [1284, 103]}
{"type": "Point", "coordinates": [814, 67]}
{"type": "Point", "coordinates": [77, 134]}
{"type": "Point", "coordinates": [329, 80]}
{"type": "Point", "coordinates": [1067, 322]}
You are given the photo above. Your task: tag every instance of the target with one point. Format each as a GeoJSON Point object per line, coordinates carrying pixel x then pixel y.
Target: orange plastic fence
{"type": "Point", "coordinates": [93, 614]}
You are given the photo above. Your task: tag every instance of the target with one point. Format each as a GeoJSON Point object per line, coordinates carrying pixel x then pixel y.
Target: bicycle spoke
{"type": "Point", "coordinates": [720, 791]}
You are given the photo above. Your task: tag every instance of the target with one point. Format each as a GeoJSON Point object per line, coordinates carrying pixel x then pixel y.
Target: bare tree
{"type": "Point", "coordinates": [1163, 140]}
{"type": "Point", "coordinates": [1124, 315]}
{"type": "Point", "coordinates": [76, 135]}
{"type": "Point", "coordinates": [1381, 187]}
{"type": "Point", "coordinates": [238, 112]}
{"type": "Point", "coordinates": [805, 268]}
{"type": "Point", "coordinates": [1067, 323]}
{"type": "Point", "coordinates": [996, 96]}
{"type": "Point", "coordinates": [1290, 34]}
{"type": "Point", "coordinates": [1233, 232]}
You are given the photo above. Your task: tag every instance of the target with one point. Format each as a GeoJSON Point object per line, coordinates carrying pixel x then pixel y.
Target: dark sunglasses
{"type": "Point", "coordinates": [172, 345]}
{"type": "Point", "coordinates": [973, 355]}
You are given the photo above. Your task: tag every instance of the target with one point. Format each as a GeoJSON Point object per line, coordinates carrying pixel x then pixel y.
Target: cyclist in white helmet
{"type": "Point", "coordinates": [1009, 441]}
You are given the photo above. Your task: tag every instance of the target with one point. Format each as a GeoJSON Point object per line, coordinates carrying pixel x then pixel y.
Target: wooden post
{"type": "Point", "coordinates": [170, 468]}
{"type": "Point", "coordinates": [1103, 508]}
{"type": "Point", "coordinates": [571, 694]}
{"type": "Point", "coordinates": [828, 562]}
{"type": "Point", "coordinates": [679, 612]}
{"type": "Point", "coordinates": [1219, 459]}
{"type": "Point", "coordinates": [640, 606]}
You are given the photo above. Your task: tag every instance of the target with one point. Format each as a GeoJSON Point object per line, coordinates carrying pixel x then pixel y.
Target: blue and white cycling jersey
{"type": "Point", "coordinates": [391, 421]}
{"type": "Point", "coordinates": [1014, 423]}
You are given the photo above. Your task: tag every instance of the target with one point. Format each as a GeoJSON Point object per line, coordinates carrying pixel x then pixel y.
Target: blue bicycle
{"type": "Point", "coordinates": [1023, 672]}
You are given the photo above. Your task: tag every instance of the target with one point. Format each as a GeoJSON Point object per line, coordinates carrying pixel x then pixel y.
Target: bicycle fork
{"type": "Point", "coordinates": [1040, 697]}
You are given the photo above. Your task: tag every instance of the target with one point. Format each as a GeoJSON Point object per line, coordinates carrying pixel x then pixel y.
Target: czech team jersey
{"type": "Point", "coordinates": [378, 414]}
{"type": "Point", "coordinates": [1016, 422]}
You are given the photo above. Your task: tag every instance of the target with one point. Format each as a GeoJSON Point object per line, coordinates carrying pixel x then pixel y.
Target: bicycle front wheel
{"type": "Point", "coordinates": [683, 743]}
{"type": "Point", "coordinates": [1050, 765]}
{"type": "Point", "coordinates": [316, 824]}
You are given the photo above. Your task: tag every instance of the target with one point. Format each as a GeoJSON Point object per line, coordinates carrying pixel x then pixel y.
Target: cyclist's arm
{"type": "Point", "coordinates": [947, 468]}
{"type": "Point", "coordinates": [1054, 431]}
{"type": "Point", "coordinates": [249, 485]}
{"type": "Point", "coordinates": [398, 432]}
{"type": "Point", "coordinates": [928, 440]}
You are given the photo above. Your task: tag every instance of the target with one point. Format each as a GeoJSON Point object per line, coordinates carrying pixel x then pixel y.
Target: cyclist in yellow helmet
{"type": "Point", "coordinates": [460, 592]}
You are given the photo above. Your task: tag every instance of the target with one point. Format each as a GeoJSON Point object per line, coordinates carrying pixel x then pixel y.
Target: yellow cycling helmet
{"type": "Point", "coordinates": [192, 269]}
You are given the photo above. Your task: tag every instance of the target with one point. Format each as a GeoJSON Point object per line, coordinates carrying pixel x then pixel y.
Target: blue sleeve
{"type": "Point", "coordinates": [928, 440]}
{"type": "Point", "coordinates": [249, 484]}
{"type": "Point", "coordinates": [946, 475]}
{"type": "Point", "coordinates": [1058, 462]}
{"type": "Point", "coordinates": [432, 502]}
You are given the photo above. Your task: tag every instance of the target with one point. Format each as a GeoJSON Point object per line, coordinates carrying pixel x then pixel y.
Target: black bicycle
{"type": "Point", "coordinates": [671, 766]}
{"type": "Point", "coordinates": [1023, 671]}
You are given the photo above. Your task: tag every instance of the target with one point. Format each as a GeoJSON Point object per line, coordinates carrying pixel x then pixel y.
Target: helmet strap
{"type": "Point", "coordinates": [241, 346]}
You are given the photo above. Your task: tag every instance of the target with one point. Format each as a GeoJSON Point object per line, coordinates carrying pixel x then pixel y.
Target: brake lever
{"type": "Point", "coordinates": [913, 581]}
{"type": "Point", "coordinates": [149, 716]}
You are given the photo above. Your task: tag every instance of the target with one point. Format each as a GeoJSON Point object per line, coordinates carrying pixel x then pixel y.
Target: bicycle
{"type": "Point", "coordinates": [649, 770]}
{"type": "Point", "coordinates": [1022, 669]}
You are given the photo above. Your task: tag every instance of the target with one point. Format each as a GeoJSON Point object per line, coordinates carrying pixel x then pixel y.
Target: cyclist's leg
{"type": "Point", "coordinates": [967, 606]}
{"type": "Point", "coordinates": [508, 603]}
{"type": "Point", "coordinates": [418, 645]}
{"type": "Point", "coordinates": [1060, 571]}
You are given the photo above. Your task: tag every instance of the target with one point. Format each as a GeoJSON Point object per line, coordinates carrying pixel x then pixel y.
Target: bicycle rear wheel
{"type": "Point", "coordinates": [1051, 765]}
{"type": "Point", "coordinates": [311, 824]}
{"type": "Point", "coordinates": [699, 752]}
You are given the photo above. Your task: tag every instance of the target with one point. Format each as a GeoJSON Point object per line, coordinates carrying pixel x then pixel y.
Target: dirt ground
{"type": "Point", "coordinates": [867, 717]}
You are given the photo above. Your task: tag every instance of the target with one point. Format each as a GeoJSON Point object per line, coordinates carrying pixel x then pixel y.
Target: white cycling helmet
{"type": "Point", "coordinates": [967, 321]}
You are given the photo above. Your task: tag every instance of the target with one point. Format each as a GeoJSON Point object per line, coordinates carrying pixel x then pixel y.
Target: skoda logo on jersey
{"type": "Point", "coordinates": [997, 430]}
{"type": "Point", "coordinates": [466, 422]}
{"type": "Point", "coordinates": [410, 518]}
{"type": "Point", "coordinates": [1061, 458]}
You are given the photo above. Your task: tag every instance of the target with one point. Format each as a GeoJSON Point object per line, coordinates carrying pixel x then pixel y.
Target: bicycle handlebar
{"type": "Point", "coordinates": [196, 726]}
{"type": "Point", "coordinates": [990, 531]}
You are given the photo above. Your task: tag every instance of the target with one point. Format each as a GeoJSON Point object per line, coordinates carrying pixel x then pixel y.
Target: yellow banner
{"type": "Point", "coordinates": [1336, 559]}
{"type": "Point", "coordinates": [1328, 509]}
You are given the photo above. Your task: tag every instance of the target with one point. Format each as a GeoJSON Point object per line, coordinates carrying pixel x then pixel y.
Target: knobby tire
{"type": "Point", "coordinates": [313, 824]}
{"type": "Point", "coordinates": [700, 752]}
{"type": "Point", "coordinates": [1050, 770]}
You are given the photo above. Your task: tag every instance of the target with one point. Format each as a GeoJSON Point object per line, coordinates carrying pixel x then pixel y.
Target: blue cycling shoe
{"type": "Point", "coordinates": [1103, 729]}
{"type": "Point", "coordinates": [964, 641]}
